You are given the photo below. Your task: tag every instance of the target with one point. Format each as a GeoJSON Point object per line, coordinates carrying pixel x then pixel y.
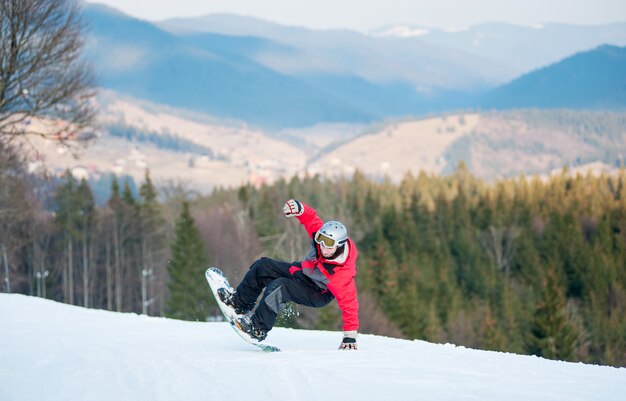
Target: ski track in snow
{"type": "Point", "coordinates": [53, 351]}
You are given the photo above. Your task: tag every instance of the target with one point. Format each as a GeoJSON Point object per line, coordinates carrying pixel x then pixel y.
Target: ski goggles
{"type": "Point", "coordinates": [325, 240]}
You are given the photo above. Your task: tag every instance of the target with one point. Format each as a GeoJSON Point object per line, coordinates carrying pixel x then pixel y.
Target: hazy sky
{"type": "Point", "coordinates": [364, 15]}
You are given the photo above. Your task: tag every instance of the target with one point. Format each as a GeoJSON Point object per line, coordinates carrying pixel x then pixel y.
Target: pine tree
{"type": "Point", "coordinates": [127, 195]}
{"type": "Point", "coordinates": [492, 336]}
{"type": "Point", "coordinates": [67, 218]}
{"type": "Point", "coordinates": [152, 237]}
{"type": "Point", "coordinates": [147, 191]}
{"type": "Point", "coordinates": [433, 330]}
{"type": "Point", "coordinates": [116, 205]}
{"type": "Point", "coordinates": [552, 336]}
{"type": "Point", "coordinates": [188, 294]}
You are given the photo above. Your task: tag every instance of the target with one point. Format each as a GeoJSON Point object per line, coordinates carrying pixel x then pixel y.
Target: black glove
{"type": "Point", "coordinates": [293, 208]}
{"type": "Point", "coordinates": [349, 341]}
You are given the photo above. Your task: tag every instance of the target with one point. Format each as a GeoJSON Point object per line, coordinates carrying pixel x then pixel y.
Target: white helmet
{"type": "Point", "coordinates": [332, 233]}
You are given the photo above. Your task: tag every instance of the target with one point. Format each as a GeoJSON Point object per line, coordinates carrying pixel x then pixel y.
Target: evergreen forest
{"type": "Point", "coordinates": [526, 265]}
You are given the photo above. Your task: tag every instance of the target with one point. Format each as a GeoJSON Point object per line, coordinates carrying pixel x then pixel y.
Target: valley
{"type": "Point", "coordinates": [204, 153]}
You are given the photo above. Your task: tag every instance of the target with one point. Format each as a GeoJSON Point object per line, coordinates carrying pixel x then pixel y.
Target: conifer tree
{"type": "Point", "coordinates": [125, 246]}
{"type": "Point", "coordinates": [152, 237]}
{"type": "Point", "coordinates": [433, 330]}
{"type": "Point", "coordinates": [115, 203]}
{"type": "Point", "coordinates": [67, 218]}
{"type": "Point", "coordinates": [127, 195]}
{"type": "Point", "coordinates": [266, 213]}
{"type": "Point", "coordinates": [188, 293]}
{"type": "Point", "coordinates": [492, 336]}
{"type": "Point", "coordinates": [552, 336]}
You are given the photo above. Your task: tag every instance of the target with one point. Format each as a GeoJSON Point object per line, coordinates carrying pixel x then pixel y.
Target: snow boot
{"type": "Point", "coordinates": [246, 325]}
{"type": "Point", "coordinates": [227, 295]}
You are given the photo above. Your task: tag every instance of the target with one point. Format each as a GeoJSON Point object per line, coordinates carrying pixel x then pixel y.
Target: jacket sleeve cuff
{"type": "Point", "coordinates": [350, 333]}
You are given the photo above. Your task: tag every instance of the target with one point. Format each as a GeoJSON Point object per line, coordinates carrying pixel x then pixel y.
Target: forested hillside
{"type": "Point", "coordinates": [587, 80]}
{"type": "Point", "coordinates": [522, 265]}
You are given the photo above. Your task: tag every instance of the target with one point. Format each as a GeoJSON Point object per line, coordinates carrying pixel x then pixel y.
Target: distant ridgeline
{"type": "Point", "coordinates": [595, 79]}
{"type": "Point", "coordinates": [270, 81]}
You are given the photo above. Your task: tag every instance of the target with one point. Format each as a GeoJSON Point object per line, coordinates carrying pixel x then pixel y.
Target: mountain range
{"type": "Point", "coordinates": [520, 48]}
{"type": "Point", "coordinates": [222, 100]}
{"type": "Point", "coordinates": [273, 76]}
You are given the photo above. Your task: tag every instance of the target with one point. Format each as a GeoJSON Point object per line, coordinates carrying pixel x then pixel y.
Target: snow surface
{"type": "Point", "coordinates": [53, 351]}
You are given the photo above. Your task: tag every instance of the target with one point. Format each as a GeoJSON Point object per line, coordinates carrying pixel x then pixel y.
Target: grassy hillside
{"type": "Point", "coordinates": [491, 144]}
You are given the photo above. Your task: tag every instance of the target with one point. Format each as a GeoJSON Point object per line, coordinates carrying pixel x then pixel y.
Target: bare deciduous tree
{"type": "Point", "coordinates": [15, 207]}
{"type": "Point", "coordinates": [498, 243]}
{"type": "Point", "coordinates": [45, 86]}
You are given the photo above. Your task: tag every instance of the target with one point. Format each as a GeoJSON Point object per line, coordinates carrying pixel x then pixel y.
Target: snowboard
{"type": "Point", "coordinates": [217, 280]}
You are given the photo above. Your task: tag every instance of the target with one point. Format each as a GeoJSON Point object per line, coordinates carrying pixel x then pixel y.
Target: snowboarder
{"type": "Point", "coordinates": [326, 273]}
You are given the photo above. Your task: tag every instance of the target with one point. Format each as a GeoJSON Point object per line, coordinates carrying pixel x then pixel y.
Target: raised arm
{"type": "Point", "coordinates": [305, 214]}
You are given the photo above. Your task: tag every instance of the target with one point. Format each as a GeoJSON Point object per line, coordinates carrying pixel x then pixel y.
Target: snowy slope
{"type": "Point", "coordinates": [52, 351]}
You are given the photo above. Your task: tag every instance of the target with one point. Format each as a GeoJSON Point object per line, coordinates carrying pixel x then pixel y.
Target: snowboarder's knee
{"type": "Point", "coordinates": [274, 299]}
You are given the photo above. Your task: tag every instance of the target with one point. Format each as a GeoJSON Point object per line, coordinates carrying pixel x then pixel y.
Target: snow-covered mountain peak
{"type": "Point", "coordinates": [400, 31]}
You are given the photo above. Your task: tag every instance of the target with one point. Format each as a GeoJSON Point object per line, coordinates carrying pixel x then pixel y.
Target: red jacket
{"type": "Point", "coordinates": [336, 275]}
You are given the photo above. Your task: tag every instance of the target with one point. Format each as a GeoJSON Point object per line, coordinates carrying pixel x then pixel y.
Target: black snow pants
{"type": "Point", "coordinates": [281, 287]}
